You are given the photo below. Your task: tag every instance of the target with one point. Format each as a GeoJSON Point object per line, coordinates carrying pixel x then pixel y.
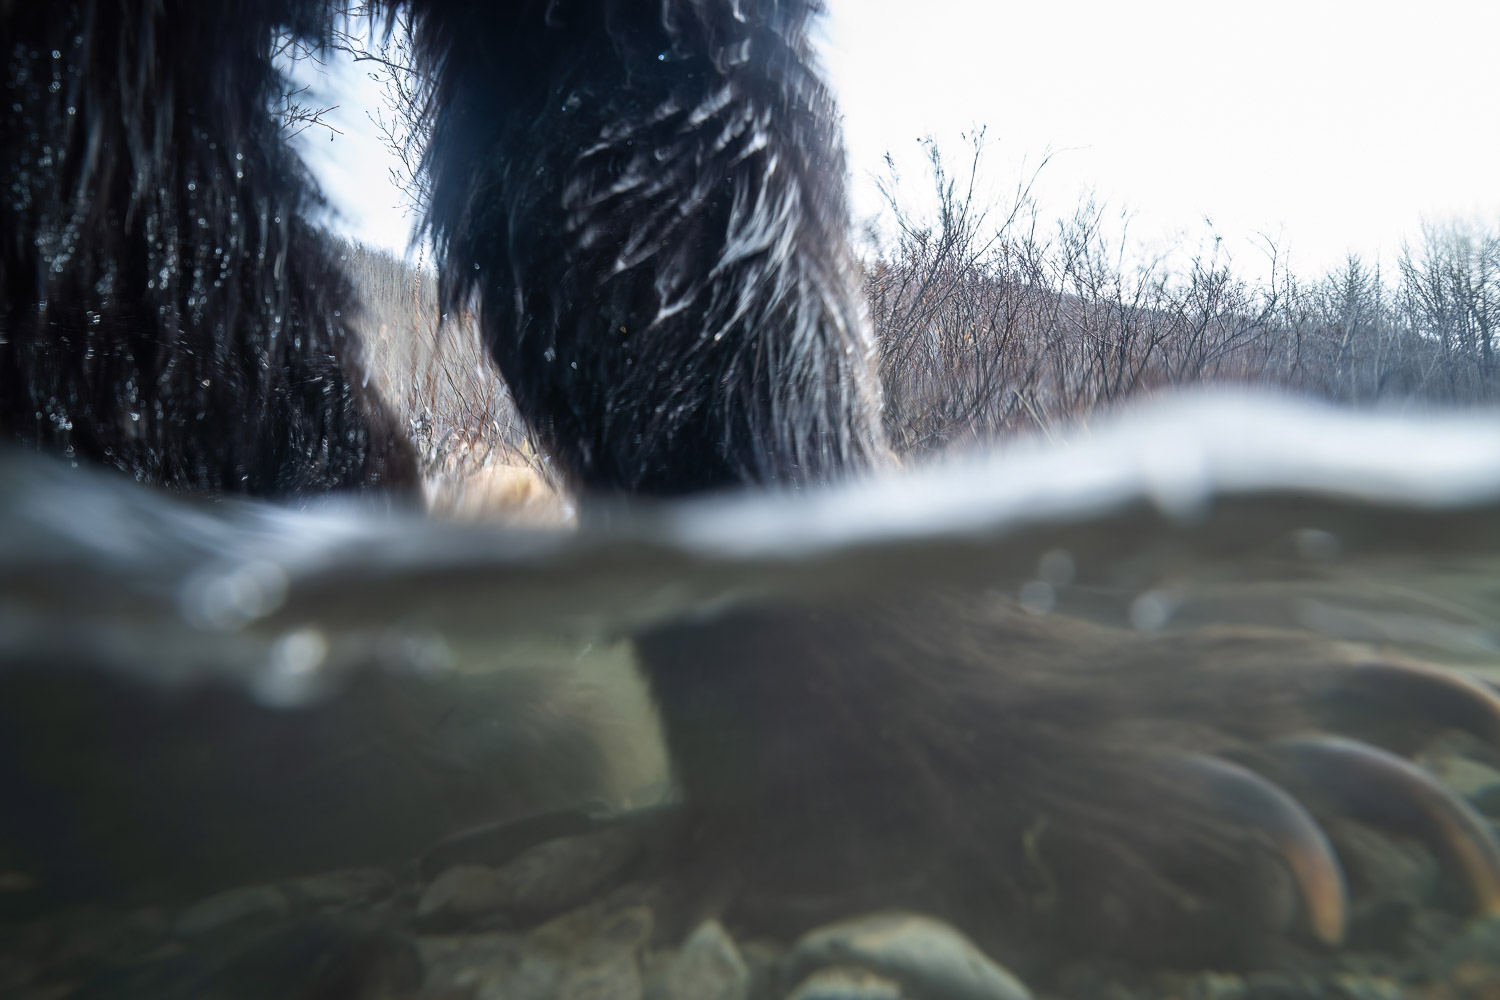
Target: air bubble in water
{"type": "Point", "coordinates": [1152, 610]}
{"type": "Point", "coordinates": [230, 600]}
{"type": "Point", "coordinates": [1056, 567]}
{"type": "Point", "coordinates": [1038, 597]}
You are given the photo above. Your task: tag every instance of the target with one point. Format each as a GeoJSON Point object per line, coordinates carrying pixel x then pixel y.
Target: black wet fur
{"type": "Point", "coordinates": [645, 201]}
{"type": "Point", "coordinates": [167, 307]}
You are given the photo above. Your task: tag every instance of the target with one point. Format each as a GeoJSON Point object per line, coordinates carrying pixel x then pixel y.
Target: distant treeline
{"type": "Point", "coordinates": [432, 369]}
{"type": "Point", "coordinates": [991, 324]}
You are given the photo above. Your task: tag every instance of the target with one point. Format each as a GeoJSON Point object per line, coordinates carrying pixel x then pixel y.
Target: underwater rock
{"type": "Point", "coordinates": [615, 975]}
{"type": "Point", "coordinates": [708, 967]}
{"type": "Point", "coordinates": [1218, 986]}
{"type": "Point", "coordinates": [602, 952]}
{"type": "Point", "coordinates": [488, 965]}
{"type": "Point", "coordinates": [231, 907]}
{"type": "Point", "coordinates": [347, 887]}
{"type": "Point", "coordinates": [1357, 987]}
{"type": "Point", "coordinates": [928, 958]}
{"type": "Point", "coordinates": [540, 882]}
{"type": "Point", "coordinates": [590, 954]}
{"type": "Point", "coordinates": [839, 983]}
{"type": "Point", "coordinates": [460, 893]}
{"type": "Point", "coordinates": [1283, 986]}
{"type": "Point", "coordinates": [301, 959]}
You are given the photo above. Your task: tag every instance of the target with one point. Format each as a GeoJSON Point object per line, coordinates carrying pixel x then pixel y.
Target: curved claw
{"type": "Point", "coordinates": [1443, 696]}
{"type": "Point", "coordinates": [1379, 788]}
{"type": "Point", "coordinates": [1254, 802]}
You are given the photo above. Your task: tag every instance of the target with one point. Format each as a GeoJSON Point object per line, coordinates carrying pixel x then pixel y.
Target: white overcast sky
{"type": "Point", "coordinates": [1332, 125]}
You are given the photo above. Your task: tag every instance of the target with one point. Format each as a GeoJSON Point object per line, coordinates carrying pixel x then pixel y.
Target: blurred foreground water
{"type": "Point", "coordinates": [196, 695]}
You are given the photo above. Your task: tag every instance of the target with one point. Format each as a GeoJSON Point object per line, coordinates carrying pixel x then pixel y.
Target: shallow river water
{"type": "Point", "coordinates": [233, 731]}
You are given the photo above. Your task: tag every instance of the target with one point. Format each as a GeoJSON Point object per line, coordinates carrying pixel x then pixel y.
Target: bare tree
{"type": "Point", "coordinates": [381, 44]}
{"type": "Point", "coordinates": [986, 326]}
{"type": "Point", "coordinates": [296, 111]}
